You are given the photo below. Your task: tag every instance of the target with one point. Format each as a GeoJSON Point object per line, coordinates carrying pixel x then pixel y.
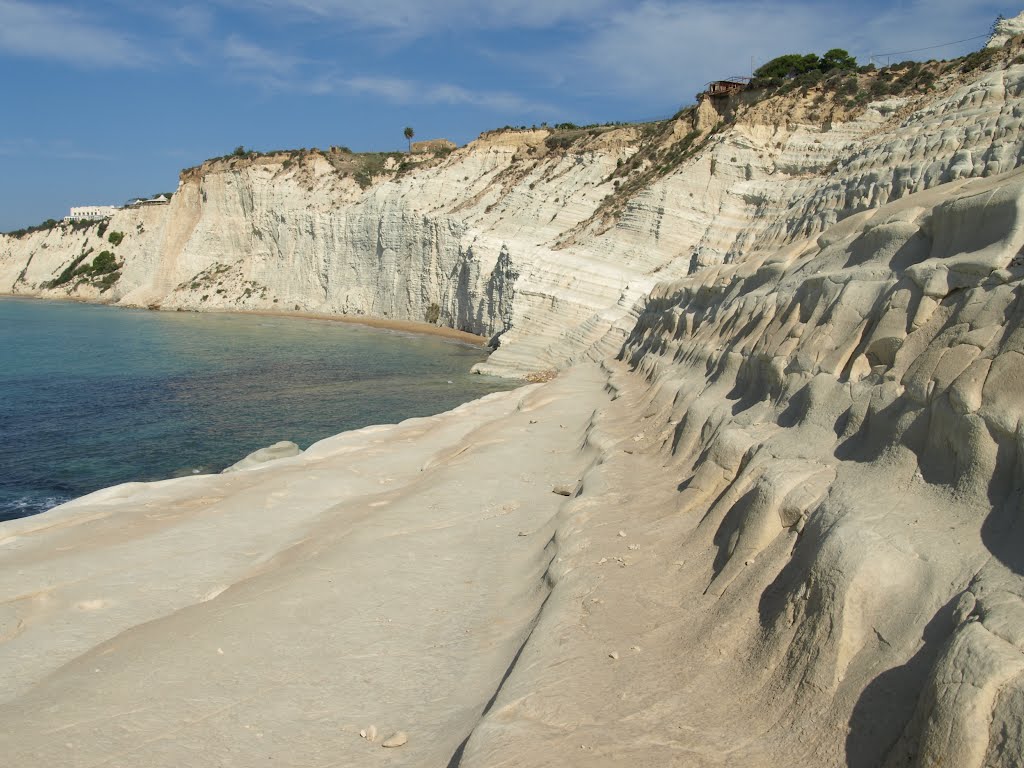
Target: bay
{"type": "Point", "coordinates": [92, 396]}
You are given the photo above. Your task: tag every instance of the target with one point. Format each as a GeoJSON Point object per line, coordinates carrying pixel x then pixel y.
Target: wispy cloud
{"type": "Point", "coordinates": [250, 57]}
{"type": "Point", "coordinates": [402, 91]}
{"type": "Point", "coordinates": [59, 149]}
{"type": "Point", "coordinates": [61, 33]}
{"type": "Point", "coordinates": [414, 18]}
{"type": "Point", "coordinates": [273, 71]}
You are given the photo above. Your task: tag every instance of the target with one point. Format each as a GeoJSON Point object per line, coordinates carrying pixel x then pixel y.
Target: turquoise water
{"type": "Point", "coordinates": [91, 396]}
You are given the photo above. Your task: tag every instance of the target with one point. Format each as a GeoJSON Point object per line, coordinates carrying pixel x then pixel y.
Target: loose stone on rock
{"type": "Point", "coordinates": [395, 740]}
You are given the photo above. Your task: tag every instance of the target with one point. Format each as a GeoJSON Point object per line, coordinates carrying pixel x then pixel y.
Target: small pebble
{"type": "Point", "coordinates": [635, 648]}
{"type": "Point", "coordinates": [622, 534]}
{"type": "Point", "coordinates": [395, 740]}
{"type": "Point", "coordinates": [633, 547]}
{"type": "Point", "coordinates": [614, 655]}
{"type": "Point", "coordinates": [371, 733]}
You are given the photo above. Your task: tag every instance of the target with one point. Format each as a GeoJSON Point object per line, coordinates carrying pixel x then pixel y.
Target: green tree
{"type": "Point", "coordinates": [409, 133]}
{"type": "Point", "coordinates": [789, 65]}
{"type": "Point", "coordinates": [103, 263]}
{"type": "Point", "coordinates": [837, 58]}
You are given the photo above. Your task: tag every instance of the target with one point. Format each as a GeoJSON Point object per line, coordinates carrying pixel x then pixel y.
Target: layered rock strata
{"type": "Point", "coordinates": [512, 237]}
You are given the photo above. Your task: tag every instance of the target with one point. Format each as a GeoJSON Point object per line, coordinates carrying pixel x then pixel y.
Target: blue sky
{"type": "Point", "coordinates": [109, 100]}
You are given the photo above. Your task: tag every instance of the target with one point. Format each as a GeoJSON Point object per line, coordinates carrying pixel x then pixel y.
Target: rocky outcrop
{"type": "Point", "coordinates": [1005, 30]}
{"type": "Point", "coordinates": [843, 419]}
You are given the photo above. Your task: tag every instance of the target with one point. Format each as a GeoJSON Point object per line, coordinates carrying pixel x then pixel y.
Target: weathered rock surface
{"type": "Point", "coordinates": [282, 450]}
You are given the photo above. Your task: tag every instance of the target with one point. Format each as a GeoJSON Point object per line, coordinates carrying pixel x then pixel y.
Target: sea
{"type": "Point", "coordinates": [92, 396]}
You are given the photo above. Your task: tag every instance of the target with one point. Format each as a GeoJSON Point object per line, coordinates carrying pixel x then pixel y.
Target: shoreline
{"type": "Point", "coordinates": [399, 326]}
{"type": "Point", "coordinates": [407, 326]}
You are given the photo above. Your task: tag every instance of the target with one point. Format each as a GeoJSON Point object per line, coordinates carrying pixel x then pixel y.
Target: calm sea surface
{"type": "Point", "coordinates": [91, 396]}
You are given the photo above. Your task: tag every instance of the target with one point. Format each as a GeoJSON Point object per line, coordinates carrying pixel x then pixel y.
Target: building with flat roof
{"type": "Point", "coordinates": [91, 213]}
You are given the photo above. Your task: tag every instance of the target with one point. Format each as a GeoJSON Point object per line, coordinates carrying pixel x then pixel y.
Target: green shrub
{"type": "Point", "coordinates": [559, 142]}
{"type": "Point", "coordinates": [46, 225]}
{"type": "Point", "coordinates": [103, 263]}
{"type": "Point", "coordinates": [978, 59]}
{"type": "Point", "coordinates": [68, 272]}
{"type": "Point", "coordinates": [432, 314]}
{"type": "Point", "coordinates": [108, 281]}
{"type": "Point", "coordinates": [115, 238]}
{"type": "Point", "coordinates": [848, 86]}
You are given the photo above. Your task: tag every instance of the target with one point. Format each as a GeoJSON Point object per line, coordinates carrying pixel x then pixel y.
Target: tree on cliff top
{"type": "Point", "coordinates": [409, 133]}
{"type": "Point", "coordinates": [837, 58]}
{"type": "Point", "coordinates": [794, 64]}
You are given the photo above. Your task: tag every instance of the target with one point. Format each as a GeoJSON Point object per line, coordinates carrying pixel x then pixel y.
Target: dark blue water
{"type": "Point", "coordinates": [91, 396]}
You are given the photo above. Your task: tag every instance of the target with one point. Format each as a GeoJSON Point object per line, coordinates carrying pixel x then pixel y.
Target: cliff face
{"type": "Point", "coordinates": [527, 235]}
{"type": "Point", "coordinates": [838, 429]}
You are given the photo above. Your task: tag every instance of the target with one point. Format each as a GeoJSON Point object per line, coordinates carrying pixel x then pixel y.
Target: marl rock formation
{"type": "Point", "coordinates": [788, 420]}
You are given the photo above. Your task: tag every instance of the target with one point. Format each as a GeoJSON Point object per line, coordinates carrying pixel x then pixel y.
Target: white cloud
{"type": "Point", "coordinates": [251, 57]}
{"type": "Point", "coordinates": [414, 18]}
{"type": "Point", "coordinates": [411, 92]}
{"type": "Point", "coordinates": [60, 149]}
{"type": "Point", "coordinates": [65, 34]}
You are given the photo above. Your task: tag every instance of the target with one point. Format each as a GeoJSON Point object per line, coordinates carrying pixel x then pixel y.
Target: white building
{"type": "Point", "coordinates": [158, 200]}
{"type": "Point", "coordinates": [91, 213]}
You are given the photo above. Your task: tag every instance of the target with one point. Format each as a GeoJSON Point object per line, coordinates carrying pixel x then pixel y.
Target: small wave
{"type": "Point", "coordinates": [30, 504]}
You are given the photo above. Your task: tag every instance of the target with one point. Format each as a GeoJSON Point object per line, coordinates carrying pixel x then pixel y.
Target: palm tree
{"type": "Point", "coordinates": [409, 133]}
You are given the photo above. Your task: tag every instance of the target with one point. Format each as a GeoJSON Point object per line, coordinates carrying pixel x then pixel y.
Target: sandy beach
{"type": "Point", "coordinates": [405, 326]}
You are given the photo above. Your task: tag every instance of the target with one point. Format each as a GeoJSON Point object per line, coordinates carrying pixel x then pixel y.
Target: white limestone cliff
{"type": "Point", "coordinates": [508, 237]}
